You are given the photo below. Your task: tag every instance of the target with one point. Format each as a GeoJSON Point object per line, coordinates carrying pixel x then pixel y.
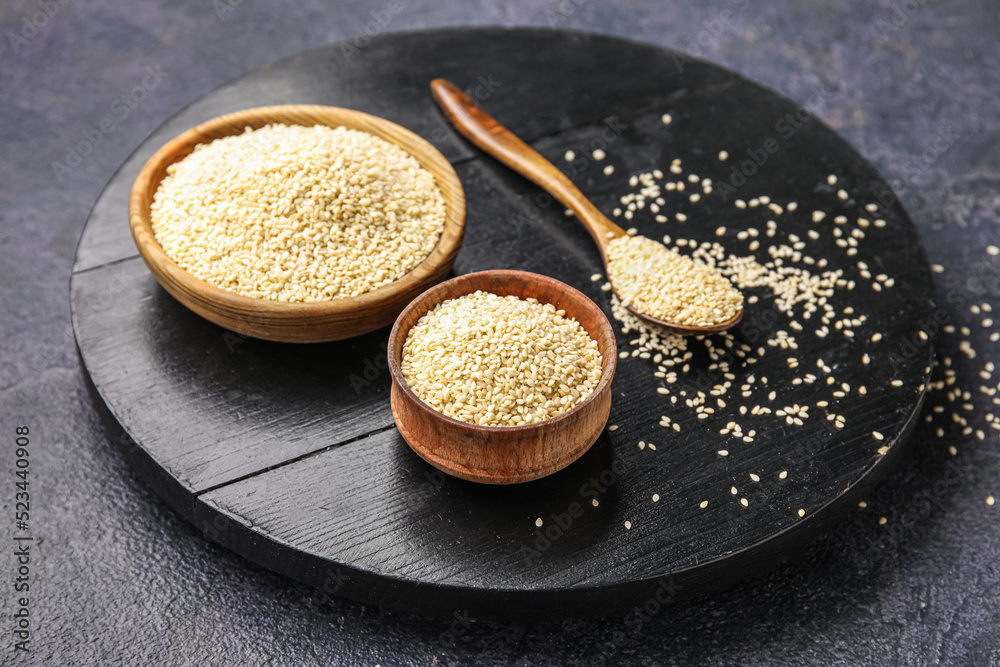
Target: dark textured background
{"type": "Point", "coordinates": [120, 578]}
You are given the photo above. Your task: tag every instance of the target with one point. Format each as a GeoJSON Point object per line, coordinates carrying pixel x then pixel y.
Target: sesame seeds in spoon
{"type": "Point", "coordinates": [656, 283]}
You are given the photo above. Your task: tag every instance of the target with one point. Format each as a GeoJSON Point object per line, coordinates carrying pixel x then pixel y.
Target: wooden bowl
{"type": "Point", "coordinates": [509, 454]}
{"type": "Point", "coordinates": [297, 322]}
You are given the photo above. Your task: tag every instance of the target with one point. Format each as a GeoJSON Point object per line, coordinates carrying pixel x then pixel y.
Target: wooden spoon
{"type": "Point", "coordinates": [485, 132]}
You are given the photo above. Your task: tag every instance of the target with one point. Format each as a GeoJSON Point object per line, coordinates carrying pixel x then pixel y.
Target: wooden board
{"type": "Point", "coordinates": [287, 454]}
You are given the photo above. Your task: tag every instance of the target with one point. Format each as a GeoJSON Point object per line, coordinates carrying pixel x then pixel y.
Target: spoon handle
{"type": "Point", "coordinates": [485, 132]}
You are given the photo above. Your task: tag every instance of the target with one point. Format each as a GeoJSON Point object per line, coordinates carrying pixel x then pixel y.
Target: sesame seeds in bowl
{"type": "Point", "coordinates": [520, 424]}
{"type": "Point", "coordinates": [297, 223]}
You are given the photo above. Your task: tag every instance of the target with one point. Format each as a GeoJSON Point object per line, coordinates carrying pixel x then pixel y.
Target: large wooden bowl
{"type": "Point", "coordinates": [510, 454]}
{"type": "Point", "coordinates": [297, 322]}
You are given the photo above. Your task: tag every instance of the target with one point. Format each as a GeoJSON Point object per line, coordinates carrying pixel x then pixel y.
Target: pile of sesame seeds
{"type": "Point", "coordinates": [298, 214]}
{"type": "Point", "coordinates": [669, 286]}
{"type": "Point", "coordinates": [499, 360]}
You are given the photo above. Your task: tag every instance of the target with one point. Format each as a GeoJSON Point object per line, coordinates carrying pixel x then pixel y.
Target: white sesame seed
{"type": "Point", "coordinates": [569, 156]}
{"type": "Point", "coordinates": [608, 170]}
{"type": "Point", "coordinates": [223, 215]}
{"type": "Point", "coordinates": [666, 119]}
{"type": "Point", "coordinates": [628, 525]}
{"type": "Point", "coordinates": [483, 340]}
{"type": "Point", "coordinates": [538, 522]}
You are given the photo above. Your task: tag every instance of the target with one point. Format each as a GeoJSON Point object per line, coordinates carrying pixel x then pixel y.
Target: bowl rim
{"type": "Point", "coordinates": [609, 362]}
{"type": "Point", "coordinates": [140, 221]}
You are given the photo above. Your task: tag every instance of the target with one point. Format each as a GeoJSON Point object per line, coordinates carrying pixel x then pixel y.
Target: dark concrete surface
{"type": "Point", "coordinates": [118, 578]}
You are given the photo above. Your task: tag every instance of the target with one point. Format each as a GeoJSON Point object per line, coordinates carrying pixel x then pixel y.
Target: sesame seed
{"type": "Point", "coordinates": [599, 154]}
{"type": "Point", "coordinates": [783, 474]}
{"type": "Point", "coordinates": [754, 477]}
{"type": "Point", "coordinates": [990, 501]}
{"type": "Point", "coordinates": [466, 359]}
{"type": "Point", "coordinates": [628, 525]}
{"type": "Point", "coordinates": [703, 504]}
{"type": "Point", "coordinates": [608, 170]}
{"type": "Point", "coordinates": [993, 250]}
{"type": "Point", "coordinates": [613, 427]}
{"type": "Point", "coordinates": [882, 521]}
{"type": "Point", "coordinates": [666, 119]}
{"type": "Point", "coordinates": [538, 522]}
{"type": "Point", "coordinates": [223, 215]}
{"type": "Point", "coordinates": [877, 435]}
{"type": "Point", "coordinates": [569, 156]}
{"type": "Point", "coordinates": [733, 491]}
{"type": "Point", "coordinates": [744, 502]}
{"type": "Point", "coordinates": [723, 155]}
{"type": "Point", "coordinates": [802, 513]}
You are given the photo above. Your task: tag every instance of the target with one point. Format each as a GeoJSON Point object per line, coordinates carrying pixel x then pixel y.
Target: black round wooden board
{"type": "Point", "coordinates": [287, 454]}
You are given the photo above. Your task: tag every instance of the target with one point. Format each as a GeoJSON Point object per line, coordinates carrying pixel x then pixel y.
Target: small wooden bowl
{"type": "Point", "coordinates": [510, 454]}
{"type": "Point", "coordinates": [297, 322]}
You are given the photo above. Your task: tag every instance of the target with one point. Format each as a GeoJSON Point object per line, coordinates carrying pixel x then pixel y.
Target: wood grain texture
{"type": "Point", "coordinates": [317, 322]}
{"type": "Point", "coordinates": [488, 134]}
{"type": "Point", "coordinates": [510, 455]}
{"type": "Point", "coordinates": [308, 476]}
